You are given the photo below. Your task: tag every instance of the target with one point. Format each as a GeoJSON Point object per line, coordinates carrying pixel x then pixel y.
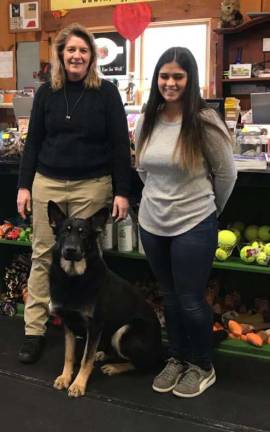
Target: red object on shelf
{"type": "Point", "coordinates": [131, 20]}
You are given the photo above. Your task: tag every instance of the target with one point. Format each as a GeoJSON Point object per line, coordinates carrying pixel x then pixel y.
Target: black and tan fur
{"type": "Point", "coordinates": [96, 304]}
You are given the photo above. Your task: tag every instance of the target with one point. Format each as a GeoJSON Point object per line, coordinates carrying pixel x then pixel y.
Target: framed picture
{"type": "Point", "coordinates": [112, 53]}
{"type": "Point", "coordinates": [239, 70]}
{"type": "Point", "coordinates": [24, 16]}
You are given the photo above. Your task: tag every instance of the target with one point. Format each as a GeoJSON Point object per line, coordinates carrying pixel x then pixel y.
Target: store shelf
{"type": "Point", "coordinates": [228, 346]}
{"type": "Point", "coordinates": [6, 105]}
{"type": "Point", "coordinates": [233, 263]}
{"type": "Point", "coordinates": [15, 243]}
{"type": "Point", "coordinates": [20, 310]}
{"type": "Point", "coordinates": [240, 348]}
{"type": "Point", "coordinates": [132, 255]}
{"type": "Point", "coordinates": [253, 79]}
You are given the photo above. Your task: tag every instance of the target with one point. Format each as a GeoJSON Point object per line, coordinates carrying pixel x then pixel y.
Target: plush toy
{"type": "Point", "coordinates": [255, 335]}
{"type": "Point", "coordinates": [230, 15]}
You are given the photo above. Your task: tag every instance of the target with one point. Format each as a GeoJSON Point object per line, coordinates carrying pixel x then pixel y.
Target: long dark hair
{"type": "Point", "coordinates": [188, 150]}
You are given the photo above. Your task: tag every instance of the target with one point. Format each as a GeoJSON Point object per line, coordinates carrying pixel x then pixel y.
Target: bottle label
{"type": "Point", "coordinates": [107, 237]}
{"type": "Point", "coordinates": [125, 238]}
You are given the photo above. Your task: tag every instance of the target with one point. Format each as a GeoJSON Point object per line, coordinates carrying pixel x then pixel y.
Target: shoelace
{"type": "Point", "coordinates": [172, 366]}
{"type": "Point", "coordinates": [191, 375]}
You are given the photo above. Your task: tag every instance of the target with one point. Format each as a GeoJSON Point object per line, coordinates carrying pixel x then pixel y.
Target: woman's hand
{"type": "Point", "coordinates": [120, 208]}
{"type": "Point", "coordinates": [23, 202]}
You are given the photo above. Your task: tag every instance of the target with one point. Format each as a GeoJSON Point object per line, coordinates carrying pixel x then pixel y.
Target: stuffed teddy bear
{"type": "Point", "coordinates": [230, 14]}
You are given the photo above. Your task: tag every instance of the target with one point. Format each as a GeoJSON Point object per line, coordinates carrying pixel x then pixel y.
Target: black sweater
{"type": "Point", "coordinates": [93, 143]}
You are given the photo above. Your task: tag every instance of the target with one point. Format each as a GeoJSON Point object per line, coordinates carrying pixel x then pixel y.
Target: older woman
{"type": "Point", "coordinates": [77, 154]}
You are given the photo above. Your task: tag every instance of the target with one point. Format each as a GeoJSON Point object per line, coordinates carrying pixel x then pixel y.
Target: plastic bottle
{"type": "Point", "coordinates": [107, 235]}
{"type": "Point", "coordinates": [125, 235]}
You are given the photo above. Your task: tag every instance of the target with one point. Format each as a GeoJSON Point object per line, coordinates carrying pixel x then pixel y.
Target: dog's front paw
{"type": "Point", "coordinates": [62, 382]}
{"type": "Point", "coordinates": [100, 356]}
{"type": "Point", "coordinates": [109, 369]}
{"type": "Point", "coordinates": [76, 390]}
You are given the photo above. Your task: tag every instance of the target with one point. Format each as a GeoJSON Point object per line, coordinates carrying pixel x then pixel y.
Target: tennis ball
{"type": "Point", "coordinates": [258, 245]}
{"type": "Point", "coordinates": [248, 254]}
{"type": "Point", "coordinates": [262, 258]}
{"type": "Point", "coordinates": [237, 232]}
{"type": "Point", "coordinates": [226, 239]}
{"type": "Point", "coordinates": [240, 226]}
{"type": "Point", "coordinates": [266, 249]}
{"type": "Point", "coordinates": [221, 254]}
{"type": "Point", "coordinates": [264, 233]}
{"type": "Point", "coordinates": [251, 232]}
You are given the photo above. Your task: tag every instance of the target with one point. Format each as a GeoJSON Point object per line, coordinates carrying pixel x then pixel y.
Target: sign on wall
{"type": "Point", "coordinates": [24, 16]}
{"type": "Point", "coordinates": [112, 53]}
{"type": "Point", "coordinates": [74, 4]}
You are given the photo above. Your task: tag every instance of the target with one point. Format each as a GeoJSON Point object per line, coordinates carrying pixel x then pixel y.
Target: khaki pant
{"type": "Point", "coordinates": [80, 198]}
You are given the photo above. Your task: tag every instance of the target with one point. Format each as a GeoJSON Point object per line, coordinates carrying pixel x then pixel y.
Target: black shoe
{"type": "Point", "coordinates": [32, 349]}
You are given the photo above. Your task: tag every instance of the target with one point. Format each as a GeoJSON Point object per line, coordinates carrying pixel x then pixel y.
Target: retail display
{"type": "Point", "coordinates": [246, 39]}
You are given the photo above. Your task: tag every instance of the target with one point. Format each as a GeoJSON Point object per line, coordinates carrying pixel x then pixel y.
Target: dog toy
{"type": "Point", "coordinates": [254, 334]}
{"type": "Point", "coordinates": [230, 15]}
{"type": "Point", "coordinates": [227, 240]}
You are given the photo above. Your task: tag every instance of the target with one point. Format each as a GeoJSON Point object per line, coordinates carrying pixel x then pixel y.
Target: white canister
{"type": "Point", "coordinates": [107, 235]}
{"type": "Point", "coordinates": [125, 235]}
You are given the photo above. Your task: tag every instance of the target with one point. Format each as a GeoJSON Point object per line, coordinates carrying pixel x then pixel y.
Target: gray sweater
{"type": "Point", "coordinates": [173, 200]}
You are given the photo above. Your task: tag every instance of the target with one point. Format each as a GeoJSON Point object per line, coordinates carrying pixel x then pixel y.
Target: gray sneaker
{"type": "Point", "coordinates": [169, 376]}
{"type": "Point", "coordinates": [194, 381]}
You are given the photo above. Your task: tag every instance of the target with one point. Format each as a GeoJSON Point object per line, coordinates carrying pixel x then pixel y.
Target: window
{"type": "Point", "coordinates": [155, 40]}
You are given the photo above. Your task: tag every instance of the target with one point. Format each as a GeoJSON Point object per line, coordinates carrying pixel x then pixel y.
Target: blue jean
{"type": "Point", "coordinates": [182, 265]}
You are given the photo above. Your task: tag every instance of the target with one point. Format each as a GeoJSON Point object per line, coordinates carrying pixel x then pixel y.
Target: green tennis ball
{"type": "Point", "coordinates": [258, 245]}
{"type": "Point", "coordinates": [248, 254]}
{"type": "Point", "coordinates": [251, 232]}
{"type": "Point", "coordinates": [226, 239]}
{"type": "Point", "coordinates": [237, 232]}
{"type": "Point", "coordinates": [240, 226]}
{"type": "Point", "coordinates": [266, 249]}
{"type": "Point", "coordinates": [264, 233]}
{"type": "Point", "coordinates": [262, 258]}
{"type": "Point", "coordinates": [221, 254]}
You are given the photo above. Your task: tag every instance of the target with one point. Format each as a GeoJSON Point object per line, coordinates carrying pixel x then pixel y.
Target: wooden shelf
{"type": "Point", "coordinates": [237, 80]}
{"type": "Point", "coordinates": [246, 38]}
{"type": "Point", "coordinates": [254, 22]}
{"type": "Point", "coordinates": [6, 105]}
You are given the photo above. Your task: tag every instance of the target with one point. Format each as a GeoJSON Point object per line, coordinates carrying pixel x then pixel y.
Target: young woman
{"type": "Point", "coordinates": [77, 154]}
{"type": "Point", "coordinates": [184, 157]}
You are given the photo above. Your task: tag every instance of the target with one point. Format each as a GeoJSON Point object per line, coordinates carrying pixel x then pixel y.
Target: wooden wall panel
{"type": "Point", "coordinates": [250, 6]}
{"type": "Point", "coordinates": [266, 5]}
{"type": "Point", "coordinates": [7, 43]}
{"type": "Point", "coordinates": [163, 10]}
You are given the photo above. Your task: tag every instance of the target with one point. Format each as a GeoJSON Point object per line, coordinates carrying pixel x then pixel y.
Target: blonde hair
{"type": "Point", "coordinates": [58, 75]}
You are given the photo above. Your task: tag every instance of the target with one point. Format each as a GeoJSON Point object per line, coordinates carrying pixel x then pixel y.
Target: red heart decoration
{"type": "Point", "coordinates": [130, 20]}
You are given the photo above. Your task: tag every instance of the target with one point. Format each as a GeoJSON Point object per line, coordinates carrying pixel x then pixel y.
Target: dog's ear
{"type": "Point", "coordinates": [55, 214]}
{"type": "Point", "coordinates": [99, 219]}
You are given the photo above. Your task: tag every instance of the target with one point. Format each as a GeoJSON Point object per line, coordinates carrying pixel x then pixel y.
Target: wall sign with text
{"type": "Point", "coordinates": [112, 53]}
{"type": "Point", "coordinates": [24, 16]}
{"type": "Point", "coordinates": [74, 4]}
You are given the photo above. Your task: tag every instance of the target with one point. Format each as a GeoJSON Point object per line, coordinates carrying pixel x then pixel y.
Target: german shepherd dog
{"type": "Point", "coordinates": [96, 304]}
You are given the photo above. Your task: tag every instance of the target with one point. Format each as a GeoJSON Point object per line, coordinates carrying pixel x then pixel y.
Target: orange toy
{"type": "Point", "coordinates": [248, 333]}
